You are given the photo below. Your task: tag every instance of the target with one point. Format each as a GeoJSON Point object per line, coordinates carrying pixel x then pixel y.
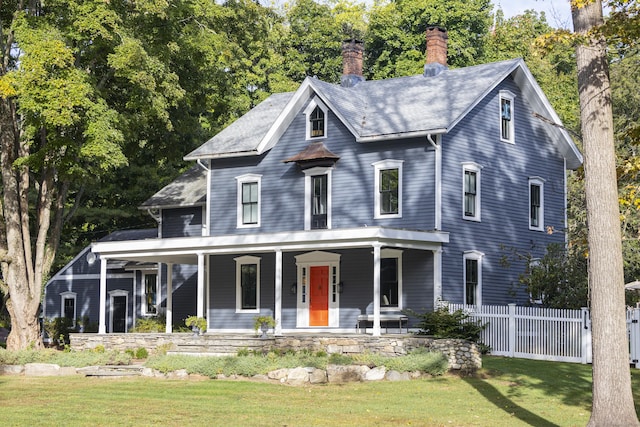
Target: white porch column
{"type": "Point", "coordinates": [102, 322]}
{"type": "Point", "coordinates": [201, 282]}
{"type": "Point", "coordinates": [278, 293]}
{"type": "Point", "coordinates": [437, 277]}
{"type": "Point", "coordinates": [376, 290]}
{"type": "Point", "coordinates": [169, 313]}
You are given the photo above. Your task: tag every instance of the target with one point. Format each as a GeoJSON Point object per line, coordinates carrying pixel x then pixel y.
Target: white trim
{"type": "Point", "coordinates": [477, 256]}
{"type": "Point", "coordinates": [71, 296]}
{"type": "Point", "coordinates": [307, 194]}
{"type": "Point", "coordinates": [304, 262]}
{"type": "Point", "coordinates": [397, 254]}
{"type": "Point", "coordinates": [114, 294]}
{"type": "Point", "coordinates": [539, 182]}
{"type": "Point", "coordinates": [507, 95]}
{"type": "Point", "coordinates": [437, 146]}
{"type": "Point", "coordinates": [248, 179]}
{"type": "Point", "coordinates": [476, 168]}
{"type": "Point", "coordinates": [240, 261]}
{"type": "Point", "coordinates": [315, 102]}
{"type": "Point", "coordinates": [387, 164]}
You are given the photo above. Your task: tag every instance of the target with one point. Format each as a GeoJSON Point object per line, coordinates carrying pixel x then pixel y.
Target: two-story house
{"type": "Point", "coordinates": [336, 200]}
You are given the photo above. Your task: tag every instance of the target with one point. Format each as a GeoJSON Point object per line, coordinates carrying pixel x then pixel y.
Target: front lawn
{"type": "Point", "coordinates": [507, 392]}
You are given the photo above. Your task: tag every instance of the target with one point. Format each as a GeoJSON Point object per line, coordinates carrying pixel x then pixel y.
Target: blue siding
{"type": "Point", "coordinates": [182, 222]}
{"type": "Point", "coordinates": [506, 169]}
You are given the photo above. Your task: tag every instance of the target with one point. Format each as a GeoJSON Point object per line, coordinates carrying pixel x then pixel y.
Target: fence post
{"type": "Point", "coordinates": [634, 338]}
{"type": "Point", "coordinates": [512, 330]}
{"type": "Point", "coordinates": [585, 338]}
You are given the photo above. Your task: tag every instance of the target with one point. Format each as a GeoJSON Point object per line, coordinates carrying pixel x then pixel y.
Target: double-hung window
{"type": "Point", "coordinates": [471, 191]}
{"type": "Point", "coordinates": [391, 280]}
{"type": "Point", "coordinates": [249, 199]}
{"type": "Point", "coordinates": [317, 198]}
{"type": "Point", "coordinates": [388, 189]}
{"type": "Point", "coordinates": [150, 297]}
{"type": "Point", "coordinates": [536, 203]}
{"type": "Point", "coordinates": [68, 306]}
{"type": "Point", "coordinates": [472, 277]}
{"type": "Point", "coordinates": [506, 116]}
{"type": "Point", "coordinates": [247, 284]}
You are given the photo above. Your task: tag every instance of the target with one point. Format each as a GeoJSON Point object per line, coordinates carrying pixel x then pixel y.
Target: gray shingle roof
{"type": "Point", "coordinates": [188, 189]}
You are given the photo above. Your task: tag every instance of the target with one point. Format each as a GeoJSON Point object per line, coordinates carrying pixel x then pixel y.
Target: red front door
{"type": "Point", "coordinates": [319, 296]}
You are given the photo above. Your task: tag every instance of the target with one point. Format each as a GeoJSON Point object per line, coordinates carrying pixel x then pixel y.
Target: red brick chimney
{"type": "Point", "coordinates": [352, 54]}
{"type": "Point", "coordinates": [436, 51]}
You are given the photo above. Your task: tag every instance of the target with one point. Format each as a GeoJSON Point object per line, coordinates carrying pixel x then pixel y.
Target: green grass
{"type": "Point", "coordinates": [508, 392]}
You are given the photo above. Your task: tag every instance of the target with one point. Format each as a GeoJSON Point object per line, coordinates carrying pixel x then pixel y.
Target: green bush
{"type": "Point", "coordinates": [63, 358]}
{"type": "Point", "coordinates": [58, 329]}
{"type": "Point", "coordinates": [442, 324]}
{"type": "Point", "coordinates": [142, 353]}
{"type": "Point", "coordinates": [149, 325]}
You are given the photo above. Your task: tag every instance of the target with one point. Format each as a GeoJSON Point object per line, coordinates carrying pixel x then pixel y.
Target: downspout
{"type": "Point", "coordinates": [438, 182]}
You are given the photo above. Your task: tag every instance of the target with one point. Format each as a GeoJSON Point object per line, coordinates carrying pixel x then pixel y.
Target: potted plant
{"type": "Point", "coordinates": [264, 323]}
{"type": "Point", "coordinates": [197, 324]}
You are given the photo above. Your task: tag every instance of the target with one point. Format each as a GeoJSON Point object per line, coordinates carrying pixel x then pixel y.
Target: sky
{"type": "Point", "coordinates": [558, 12]}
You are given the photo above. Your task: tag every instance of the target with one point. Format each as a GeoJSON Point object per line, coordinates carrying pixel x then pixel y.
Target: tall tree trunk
{"type": "Point", "coordinates": [612, 399]}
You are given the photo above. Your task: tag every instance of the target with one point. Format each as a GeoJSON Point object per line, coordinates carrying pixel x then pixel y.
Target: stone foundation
{"type": "Point", "coordinates": [462, 355]}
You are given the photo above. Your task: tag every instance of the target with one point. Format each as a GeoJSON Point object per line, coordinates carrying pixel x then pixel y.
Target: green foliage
{"type": "Point", "coordinates": [150, 324]}
{"type": "Point", "coordinates": [340, 359]}
{"type": "Point", "coordinates": [141, 353]}
{"type": "Point", "coordinates": [58, 329]}
{"type": "Point", "coordinates": [194, 321]}
{"type": "Point", "coordinates": [258, 321]}
{"type": "Point", "coordinates": [442, 324]}
{"type": "Point", "coordinates": [64, 358]}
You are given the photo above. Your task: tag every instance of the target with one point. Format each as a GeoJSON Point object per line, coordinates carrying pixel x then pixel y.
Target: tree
{"type": "Point", "coordinates": [612, 398]}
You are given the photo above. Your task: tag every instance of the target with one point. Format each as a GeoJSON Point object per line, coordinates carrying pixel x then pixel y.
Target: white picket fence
{"type": "Point", "coordinates": [544, 333]}
{"type": "Point", "coordinates": [533, 332]}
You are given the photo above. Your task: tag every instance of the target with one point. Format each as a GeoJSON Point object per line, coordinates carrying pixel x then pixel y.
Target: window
{"type": "Point", "coordinates": [248, 284]}
{"type": "Point", "coordinates": [318, 198]}
{"type": "Point", "coordinates": [391, 279]}
{"type": "Point", "coordinates": [471, 191]}
{"type": "Point", "coordinates": [506, 116]}
{"type": "Point", "coordinates": [316, 113]}
{"type": "Point", "coordinates": [388, 189]}
{"type": "Point", "coordinates": [536, 203]}
{"type": "Point", "coordinates": [473, 277]}
{"type": "Point", "coordinates": [249, 198]}
{"type": "Point", "coordinates": [68, 306]}
{"type": "Point", "coordinates": [150, 296]}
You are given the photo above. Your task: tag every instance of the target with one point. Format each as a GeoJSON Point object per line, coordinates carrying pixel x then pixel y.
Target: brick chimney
{"type": "Point", "coordinates": [436, 51]}
{"type": "Point", "coordinates": [352, 54]}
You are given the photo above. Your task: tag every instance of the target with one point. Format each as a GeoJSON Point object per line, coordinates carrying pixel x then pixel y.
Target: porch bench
{"type": "Point", "coordinates": [386, 318]}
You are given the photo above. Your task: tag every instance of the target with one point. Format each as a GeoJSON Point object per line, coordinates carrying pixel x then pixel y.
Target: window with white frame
{"type": "Point", "coordinates": [317, 198]}
{"type": "Point", "coordinates": [68, 306]}
{"type": "Point", "coordinates": [150, 293]}
{"type": "Point", "coordinates": [391, 279]}
{"type": "Point", "coordinates": [471, 191]}
{"type": "Point", "coordinates": [249, 199]}
{"type": "Point", "coordinates": [506, 116]}
{"type": "Point", "coordinates": [472, 261]}
{"type": "Point", "coordinates": [388, 189]}
{"type": "Point", "coordinates": [536, 204]}
{"type": "Point", "coordinates": [247, 284]}
{"type": "Point", "coordinates": [316, 113]}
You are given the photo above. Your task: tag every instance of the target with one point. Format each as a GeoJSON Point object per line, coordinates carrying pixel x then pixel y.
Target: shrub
{"type": "Point", "coordinates": [149, 325]}
{"type": "Point", "coordinates": [141, 353]}
{"type": "Point", "coordinates": [442, 324]}
{"type": "Point", "coordinates": [63, 358]}
{"type": "Point", "coordinates": [58, 329]}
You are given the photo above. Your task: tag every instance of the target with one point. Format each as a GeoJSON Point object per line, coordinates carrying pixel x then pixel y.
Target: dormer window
{"type": "Point", "coordinates": [316, 114]}
{"type": "Point", "coordinates": [506, 116]}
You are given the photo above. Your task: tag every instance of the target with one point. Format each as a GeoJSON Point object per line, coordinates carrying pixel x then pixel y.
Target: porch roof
{"type": "Point", "coordinates": [185, 250]}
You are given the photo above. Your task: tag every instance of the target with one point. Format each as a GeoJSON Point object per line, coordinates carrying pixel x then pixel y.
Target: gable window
{"type": "Point", "coordinates": [471, 191]}
{"type": "Point", "coordinates": [68, 306]}
{"type": "Point", "coordinates": [316, 113]}
{"type": "Point", "coordinates": [150, 296]}
{"type": "Point", "coordinates": [317, 198]}
{"type": "Point", "coordinates": [506, 116]}
{"type": "Point", "coordinates": [473, 277]}
{"type": "Point", "coordinates": [247, 284]}
{"type": "Point", "coordinates": [388, 189]}
{"type": "Point", "coordinates": [536, 203]}
{"type": "Point", "coordinates": [391, 279]}
{"type": "Point", "coordinates": [249, 190]}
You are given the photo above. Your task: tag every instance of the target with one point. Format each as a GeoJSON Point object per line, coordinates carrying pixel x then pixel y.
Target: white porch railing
{"type": "Point", "coordinates": [533, 332]}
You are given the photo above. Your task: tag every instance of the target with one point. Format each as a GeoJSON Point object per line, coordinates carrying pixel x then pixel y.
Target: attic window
{"type": "Point", "coordinates": [316, 119]}
{"type": "Point", "coordinates": [506, 116]}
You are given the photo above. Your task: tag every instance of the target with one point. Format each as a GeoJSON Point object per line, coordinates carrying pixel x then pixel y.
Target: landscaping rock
{"type": "Point", "coordinates": [298, 377]}
{"type": "Point", "coordinates": [339, 374]}
{"type": "Point", "coordinates": [375, 374]}
{"type": "Point", "coordinates": [318, 376]}
{"type": "Point", "coordinates": [11, 369]}
{"type": "Point", "coordinates": [47, 370]}
{"type": "Point", "coordinates": [278, 374]}
{"type": "Point", "coordinates": [398, 376]}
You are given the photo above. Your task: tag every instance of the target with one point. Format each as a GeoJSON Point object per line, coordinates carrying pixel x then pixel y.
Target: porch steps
{"type": "Point", "coordinates": [112, 371]}
{"type": "Point", "coordinates": [216, 345]}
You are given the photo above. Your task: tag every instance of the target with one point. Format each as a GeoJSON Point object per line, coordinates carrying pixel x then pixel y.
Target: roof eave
{"type": "Point", "coordinates": [401, 135]}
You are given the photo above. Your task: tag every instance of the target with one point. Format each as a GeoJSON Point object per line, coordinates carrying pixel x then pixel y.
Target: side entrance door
{"type": "Point", "coordinates": [119, 314]}
{"type": "Point", "coordinates": [319, 296]}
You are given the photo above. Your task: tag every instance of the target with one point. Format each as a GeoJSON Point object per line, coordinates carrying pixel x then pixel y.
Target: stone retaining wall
{"type": "Point", "coordinates": [463, 355]}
